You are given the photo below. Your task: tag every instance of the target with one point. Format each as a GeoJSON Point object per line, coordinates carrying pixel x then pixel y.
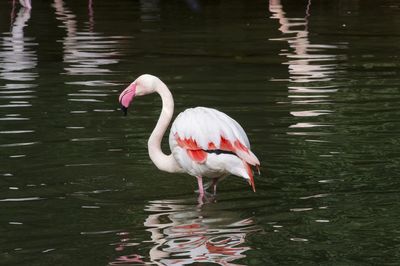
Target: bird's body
{"type": "Point", "coordinates": [204, 142]}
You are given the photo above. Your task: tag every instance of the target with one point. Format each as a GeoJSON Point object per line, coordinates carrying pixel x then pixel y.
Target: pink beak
{"type": "Point", "coordinates": [126, 97]}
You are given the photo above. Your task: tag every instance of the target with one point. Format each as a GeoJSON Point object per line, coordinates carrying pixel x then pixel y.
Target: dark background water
{"type": "Point", "coordinates": [315, 84]}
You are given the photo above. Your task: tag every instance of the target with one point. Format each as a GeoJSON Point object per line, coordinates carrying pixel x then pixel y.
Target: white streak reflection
{"type": "Point", "coordinates": [312, 69]}
{"type": "Point", "coordinates": [88, 55]}
{"type": "Point", "coordinates": [18, 62]}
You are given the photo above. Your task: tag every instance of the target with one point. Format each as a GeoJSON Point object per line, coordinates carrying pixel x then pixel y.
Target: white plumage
{"type": "Point", "coordinates": [206, 124]}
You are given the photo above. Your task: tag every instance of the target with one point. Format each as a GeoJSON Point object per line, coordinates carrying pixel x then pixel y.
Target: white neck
{"type": "Point", "coordinates": [162, 161]}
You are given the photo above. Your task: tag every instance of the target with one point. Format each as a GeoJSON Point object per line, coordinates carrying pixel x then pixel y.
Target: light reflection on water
{"type": "Point", "coordinates": [87, 53]}
{"type": "Point", "coordinates": [311, 68]}
{"type": "Point", "coordinates": [18, 59]}
{"type": "Point", "coordinates": [18, 73]}
{"type": "Point", "coordinates": [183, 234]}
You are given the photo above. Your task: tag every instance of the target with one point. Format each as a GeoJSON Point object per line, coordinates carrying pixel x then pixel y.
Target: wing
{"type": "Point", "coordinates": [203, 130]}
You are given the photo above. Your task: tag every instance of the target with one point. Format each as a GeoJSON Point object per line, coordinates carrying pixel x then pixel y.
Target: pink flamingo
{"type": "Point", "coordinates": [204, 142]}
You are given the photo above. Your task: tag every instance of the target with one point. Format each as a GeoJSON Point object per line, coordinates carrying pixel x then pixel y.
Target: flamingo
{"type": "Point", "coordinates": [204, 142]}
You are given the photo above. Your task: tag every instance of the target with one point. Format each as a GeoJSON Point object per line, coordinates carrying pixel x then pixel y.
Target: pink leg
{"type": "Point", "coordinates": [200, 200]}
{"type": "Point", "coordinates": [200, 184]}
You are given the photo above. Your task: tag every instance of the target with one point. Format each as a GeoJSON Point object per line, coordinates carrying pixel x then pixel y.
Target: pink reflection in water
{"type": "Point", "coordinates": [183, 234]}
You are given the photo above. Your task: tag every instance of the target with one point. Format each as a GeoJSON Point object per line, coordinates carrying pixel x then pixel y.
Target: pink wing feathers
{"type": "Point", "coordinates": [200, 129]}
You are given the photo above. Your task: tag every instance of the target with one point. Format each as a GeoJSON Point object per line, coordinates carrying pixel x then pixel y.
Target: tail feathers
{"type": "Point", "coordinates": [250, 174]}
{"type": "Point", "coordinates": [246, 172]}
{"type": "Point", "coordinates": [248, 156]}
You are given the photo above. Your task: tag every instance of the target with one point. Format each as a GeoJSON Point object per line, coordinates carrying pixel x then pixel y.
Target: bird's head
{"type": "Point", "coordinates": [143, 85]}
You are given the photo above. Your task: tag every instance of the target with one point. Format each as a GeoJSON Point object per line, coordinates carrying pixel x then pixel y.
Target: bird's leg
{"type": "Point", "coordinates": [200, 184]}
{"type": "Point", "coordinates": [200, 201]}
{"type": "Point", "coordinates": [214, 185]}
{"type": "Point", "coordinates": [201, 190]}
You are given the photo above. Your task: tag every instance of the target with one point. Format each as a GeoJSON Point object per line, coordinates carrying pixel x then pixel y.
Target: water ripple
{"type": "Point", "coordinates": [18, 73]}
{"type": "Point", "coordinates": [17, 61]}
{"type": "Point", "coordinates": [312, 70]}
{"type": "Point", "coordinates": [86, 52]}
{"type": "Point", "coordinates": [18, 144]}
{"type": "Point", "coordinates": [21, 199]}
{"type": "Point", "coordinates": [15, 131]}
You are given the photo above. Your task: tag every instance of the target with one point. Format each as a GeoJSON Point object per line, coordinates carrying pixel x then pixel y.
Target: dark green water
{"type": "Point", "coordinates": [315, 84]}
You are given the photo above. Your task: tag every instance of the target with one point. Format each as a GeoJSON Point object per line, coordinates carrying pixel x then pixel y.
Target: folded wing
{"type": "Point", "coordinates": [203, 130]}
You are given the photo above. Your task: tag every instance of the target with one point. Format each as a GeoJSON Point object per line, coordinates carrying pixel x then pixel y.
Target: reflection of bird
{"type": "Point", "coordinates": [204, 142]}
{"type": "Point", "coordinates": [182, 234]}
{"type": "Point", "coordinates": [26, 3]}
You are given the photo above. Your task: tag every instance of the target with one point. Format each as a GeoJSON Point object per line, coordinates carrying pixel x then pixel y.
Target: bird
{"type": "Point", "coordinates": [204, 142]}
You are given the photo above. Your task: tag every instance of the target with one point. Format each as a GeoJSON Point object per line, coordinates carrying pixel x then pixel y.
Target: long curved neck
{"type": "Point", "coordinates": [162, 161]}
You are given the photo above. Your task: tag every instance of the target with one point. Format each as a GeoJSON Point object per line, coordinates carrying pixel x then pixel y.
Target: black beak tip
{"type": "Point", "coordinates": [124, 109]}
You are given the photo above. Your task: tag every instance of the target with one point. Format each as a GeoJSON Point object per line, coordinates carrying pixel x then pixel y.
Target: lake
{"type": "Point", "coordinates": [315, 84]}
